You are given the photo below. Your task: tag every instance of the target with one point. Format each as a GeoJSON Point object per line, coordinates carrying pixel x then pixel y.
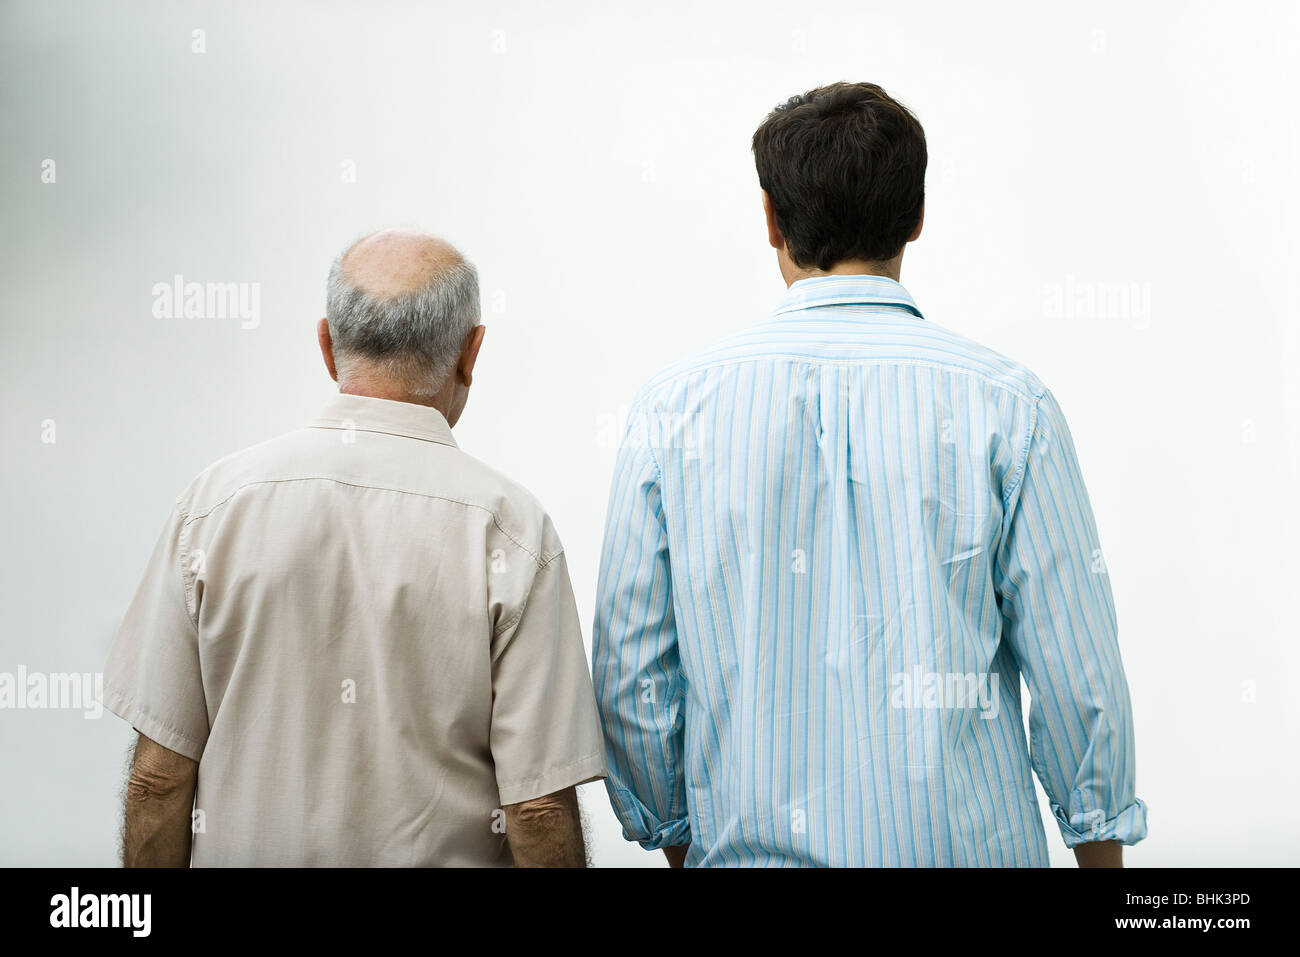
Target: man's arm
{"type": "Point", "coordinates": [154, 680]}
{"type": "Point", "coordinates": [547, 831]}
{"type": "Point", "coordinates": [677, 855]}
{"type": "Point", "coordinates": [159, 807]}
{"type": "Point", "coordinates": [545, 732]}
{"type": "Point", "coordinates": [1100, 854]}
{"type": "Point", "coordinates": [640, 684]}
{"type": "Point", "coordinates": [1059, 620]}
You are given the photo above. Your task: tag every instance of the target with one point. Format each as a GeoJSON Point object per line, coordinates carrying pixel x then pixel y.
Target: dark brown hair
{"type": "Point", "coordinates": [844, 168]}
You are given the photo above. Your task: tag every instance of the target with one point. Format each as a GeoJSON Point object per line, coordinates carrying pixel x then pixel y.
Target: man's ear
{"type": "Point", "coordinates": [326, 347]}
{"type": "Point", "coordinates": [774, 237]}
{"type": "Point", "coordinates": [469, 355]}
{"type": "Point", "coordinates": [919, 223]}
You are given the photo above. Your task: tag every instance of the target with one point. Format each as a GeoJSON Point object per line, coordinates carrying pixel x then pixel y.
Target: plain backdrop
{"type": "Point", "coordinates": [1111, 200]}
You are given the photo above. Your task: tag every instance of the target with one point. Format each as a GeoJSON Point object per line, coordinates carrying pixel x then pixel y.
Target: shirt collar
{"type": "Point", "coordinates": [819, 291]}
{"type": "Point", "coordinates": [365, 413]}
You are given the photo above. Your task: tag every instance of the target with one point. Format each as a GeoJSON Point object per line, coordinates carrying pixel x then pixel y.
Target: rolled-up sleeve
{"type": "Point", "coordinates": [1059, 619]}
{"type": "Point", "coordinates": [639, 684]}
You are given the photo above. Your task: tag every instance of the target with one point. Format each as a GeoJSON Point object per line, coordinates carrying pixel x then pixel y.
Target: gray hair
{"type": "Point", "coordinates": [414, 338]}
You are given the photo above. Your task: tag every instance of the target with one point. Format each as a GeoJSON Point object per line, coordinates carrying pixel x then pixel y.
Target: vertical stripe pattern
{"type": "Point", "coordinates": [836, 541]}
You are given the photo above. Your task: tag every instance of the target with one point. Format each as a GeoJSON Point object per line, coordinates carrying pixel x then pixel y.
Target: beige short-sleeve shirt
{"type": "Point", "coordinates": [368, 640]}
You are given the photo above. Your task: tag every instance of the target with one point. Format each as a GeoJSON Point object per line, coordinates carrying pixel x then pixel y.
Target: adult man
{"type": "Point", "coordinates": [362, 641]}
{"type": "Point", "coordinates": [835, 542]}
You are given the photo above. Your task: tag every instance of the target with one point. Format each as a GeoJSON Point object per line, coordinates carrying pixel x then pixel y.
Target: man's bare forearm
{"type": "Point", "coordinates": [159, 807]}
{"type": "Point", "coordinates": [676, 855]}
{"type": "Point", "coordinates": [1100, 854]}
{"type": "Point", "coordinates": [547, 831]}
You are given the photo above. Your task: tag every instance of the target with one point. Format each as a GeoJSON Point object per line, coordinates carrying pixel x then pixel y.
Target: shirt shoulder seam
{"type": "Point", "coordinates": [505, 626]}
{"type": "Point", "coordinates": [1023, 459]}
{"type": "Point", "coordinates": [182, 551]}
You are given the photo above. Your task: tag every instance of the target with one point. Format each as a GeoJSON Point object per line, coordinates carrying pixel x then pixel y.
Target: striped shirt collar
{"type": "Point", "coordinates": [845, 291]}
{"type": "Point", "coordinates": [363, 413]}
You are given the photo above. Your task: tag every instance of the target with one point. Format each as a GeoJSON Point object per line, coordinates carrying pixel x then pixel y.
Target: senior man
{"type": "Point", "coordinates": [356, 642]}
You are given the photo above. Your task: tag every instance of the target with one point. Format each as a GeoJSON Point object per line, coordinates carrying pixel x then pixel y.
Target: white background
{"type": "Point", "coordinates": [593, 161]}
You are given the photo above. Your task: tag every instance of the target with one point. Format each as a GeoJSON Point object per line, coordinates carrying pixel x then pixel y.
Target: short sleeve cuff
{"type": "Point", "coordinates": [1127, 827]}
{"type": "Point", "coordinates": [590, 767]}
{"type": "Point", "coordinates": [153, 728]}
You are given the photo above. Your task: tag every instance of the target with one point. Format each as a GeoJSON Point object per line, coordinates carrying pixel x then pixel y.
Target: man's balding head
{"type": "Point", "coordinates": [396, 262]}
{"type": "Point", "coordinates": [401, 306]}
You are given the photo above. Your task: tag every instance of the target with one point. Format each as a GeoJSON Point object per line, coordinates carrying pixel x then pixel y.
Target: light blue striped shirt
{"type": "Point", "coordinates": [836, 541]}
